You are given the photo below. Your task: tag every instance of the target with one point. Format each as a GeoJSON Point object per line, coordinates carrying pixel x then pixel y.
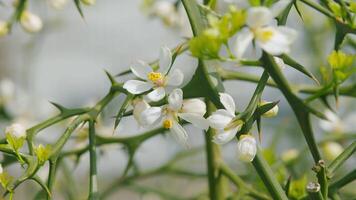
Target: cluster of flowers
{"type": "Point", "coordinates": [32, 23]}
{"type": "Point", "coordinates": [156, 85]}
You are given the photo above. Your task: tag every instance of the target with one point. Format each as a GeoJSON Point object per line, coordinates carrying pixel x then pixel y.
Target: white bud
{"type": "Point", "coordinates": [271, 113]}
{"type": "Point", "coordinates": [289, 155]}
{"type": "Point", "coordinates": [1, 170]}
{"type": "Point", "coordinates": [331, 150]}
{"type": "Point", "coordinates": [16, 129]}
{"type": "Point", "coordinates": [4, 28]}
{"type": "Point", "coordinates": [196, 106]}
{"type": "Point", "coordinates": [139, 105]}
{"type": "Point", "coordinates": [30, 22]}
{"type": "Point", "coordinates": [246, 148]}
{"type": "Point", "coordinates": [58, 4]}
{"type": "Point", "coordinates": [88, 2]}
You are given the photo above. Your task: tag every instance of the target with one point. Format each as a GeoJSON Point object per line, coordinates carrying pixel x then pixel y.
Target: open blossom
{"type": "Point", "coordinates": [190, 110]}
{"type": "Point", "coordinates": [246, 148]}
{"type": "Point", "coordinates": [159, 80]}
{"type": "Point", "coordinates": [30, 22]}
{"type": "Point", "coordinates": [16, 129]}
{"type": "Point", "coordinates": [223, 120]}
{"type": "Point", "coordinates": [275, 40]}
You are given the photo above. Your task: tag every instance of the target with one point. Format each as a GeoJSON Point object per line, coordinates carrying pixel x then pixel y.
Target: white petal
{"type": "Point", "coordinates": [157, 94]}
{"type": "Point", "coordinates": [228, 103]}
{"type": "Point", "coordinates": [179, 134]}
{"type": "Point", "coordinates": [247, 148]}
{"type": "Point", "coordinates": [150, 116]}
{"type": "Point", "coordinates": [16, 129]}
{"type": "Point", "coordinates": [136, 86]}
{"type": "Point", "coordinates": [220, 119]}
{"type": "Point", "coordinates": [141, 69]}
{"type": "Point", "coordinates": [224, 137]}
{"type": "Point", "coordinates": [139, 107]}
{"type": "Point", "coordinates": [243, 39]}
{"type": "Point", "coordinates": [196, 106]}
{"type": "Point", "coordinates": [289, 34]}
{"type": "Point", "coordinates": [197, 120]}
{"type": "Point", "coordinates": [258, 17]}
{"type": "Point", "coordinates": [165, 59]}
{"type": "Point", "coordinates": [175, 99]}
{"type": "Point", "coordinates": [175, 77]}
{"type": "Point", "coordinates": [278, 7]}
{"type": "Point", "coordinates": [279, 43]}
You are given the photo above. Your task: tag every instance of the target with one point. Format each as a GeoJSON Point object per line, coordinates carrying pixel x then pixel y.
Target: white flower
{"type": "Point", "coordinates": [333, 124]}
{"type": "Point", "coordinates": [272, 112]}
{"type": "Point", "coordinates": [223, 120]}
{"type": "Point", "coordinates": [58, 4]}
{"type": "Point", "coordinates": [7, 90]}
{"type": "Point", "coordinates": [246, 148]}
{"type": "Point", "coordinates": [289, 155]}
{"type": "Point", "coordinates": [331, 150]}
{"type": "Point", "coordinates": [88, 2]}
{"type": "Point", "coordinates": [16, 129]}
{"type": "Point", "coordinates": [156, 80]}
{"type": "Point", "coordinates": [4, 28]}
{"type": "Point", "coordinates": [191, 110]}
{"type": "Point", "coordinates": [167, 12]}
{"type": "Point", "coordinates": [30, 22]}
{"type": "Point", "coordinates": [272, 39]}
{"type": "Point", "coordinates": [139, 105]}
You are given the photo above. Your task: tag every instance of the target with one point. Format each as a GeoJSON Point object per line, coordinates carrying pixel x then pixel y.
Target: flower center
{"type": "Point", "coordinates": [264, 35]}
{"type": "Point", "coordinates": [157, 78]}
{"type": "Point", "coordinates": [167, 124]}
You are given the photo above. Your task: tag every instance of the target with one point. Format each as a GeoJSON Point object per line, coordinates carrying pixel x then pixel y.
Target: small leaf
{"type": "Point", "coordinates": [123, 109]}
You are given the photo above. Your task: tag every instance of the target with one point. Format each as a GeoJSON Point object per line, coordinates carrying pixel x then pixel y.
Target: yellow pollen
{"type": "Point", "coordinates": [167, 124]}
{"type": "Point", "coordinates": [264, 35]}
{"type": "Point", "coordinates": [155, 76]}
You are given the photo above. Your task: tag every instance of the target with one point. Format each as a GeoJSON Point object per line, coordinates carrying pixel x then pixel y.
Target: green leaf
{"type": "Point", "coordinates": [123, 109]}
{"type": "Point", "coordinates": [15, 142]}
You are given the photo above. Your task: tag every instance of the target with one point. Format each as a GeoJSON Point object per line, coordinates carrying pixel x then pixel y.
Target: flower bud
{"type": "Point", "coordinates": [58, 4]}
{"type": "Point", "coordinates": [30, 22]}
{"type": "Point", "coordinates": [88, 2]}
{"type": "Point", "coordinates": [331, 150]}
{"type": "Point", "coordinates": [246, 148]}
{"type": "Point", "coordinates": [196, 106]}
{"type": "Point", "coordinates": [272, 112]}
{"type": "Point", "coordinates": [4, 28]}
{"type": "Point", "coordinates": [16, 129]}
{"type": "Point", "coordinates": [289, 155]}
{"type": "Point", "coordinates": [139, 106]}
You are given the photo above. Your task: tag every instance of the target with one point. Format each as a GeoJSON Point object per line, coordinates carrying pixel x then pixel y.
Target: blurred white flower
{"type": "Point", "coordinates": [336, 125]}
{"type": "Point", "coordinates": [272, 39]}
{"type": "Point", "coordinates": [16, 129]}
{"type": "Point", "coordinates": [30, 22]}
{"type": "Point", "coordinates": [88, 2]}
{"type": "Point", "coordinates": [223, 120]}
{"type": "Point", "coordinates": [58, 4]}
{"type": "Point", "coordinates": [156, 80]}
{"type": "Point", "coordinates": [168, 12]}
{"type": "Point", "coordinates": [1, 170]}
{"type": "Point", "coordinates": [331, 150]}
{"type": "Point", "coordinates": [4, 28]}
{"type": "Point", "coordinates": [246, 148]}
{"type": "Point", "coordinates": [289, 155]}
{"type": "Point", "coordinates": [7, 91]}
{"type": "Point", "coordinates": [191, 110]}
{"type": "Point", "coordinates": [272, 112]}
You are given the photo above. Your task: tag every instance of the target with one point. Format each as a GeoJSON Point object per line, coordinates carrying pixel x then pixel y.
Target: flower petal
{"type": "Point", "coordinates": [220, 119]}
{"type": "Point", "coordinates": [277, 8]}
{"type": "Point", "coordinates": [175, 99]}
{"type": "Point", "coordinates": [224, 137]}
{"type": "Point", "coordinates": [195, 106]}
{"type": "Point", "coordinates": [175, 77]}
{"type": "Point", "coordinates": [136, 86]}
{"type": "Point", "coordinates": [165, 59]}
{"type": "Point", "coordinates": [157, 94]}
{"type": "Point", "coordinates": [179, 134]}
{"type": "Point", "coordinates": [258, 17]}
{"type": "Point", "coordinates": [141, 69]}
{"type": "Point", "coordinates": [228, 103]}
{"type": "Point", "coordinates": [150, 116]}
{"type": "Point", "coordinates": [243, 39]}
{"type": "Point", "coordinates": [139, 107]}
{"type": "Point", "coordinates": [289, 34]}
{"type": "Point", "coordinates": [279, 43]}
{"type": "Point", "coordinates": [197, 120]}
{"type": "Point", "coordinates": [247, 148]}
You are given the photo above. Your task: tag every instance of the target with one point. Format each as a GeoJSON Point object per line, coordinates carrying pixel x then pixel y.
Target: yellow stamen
{"type": "Point", "coordinates": [167, 124]}
{"type": "Point", "coordinates": [155, 76]}
{"type": "Point", "coordinates": [264, 35]}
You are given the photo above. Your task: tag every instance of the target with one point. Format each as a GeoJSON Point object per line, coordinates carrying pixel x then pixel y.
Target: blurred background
{"type": "Point", "coordinates": [65, 63]}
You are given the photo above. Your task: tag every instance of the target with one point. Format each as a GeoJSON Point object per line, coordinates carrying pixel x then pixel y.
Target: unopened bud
{"type": "Point", "coordinates": [16, 129]}
{"type": "Point", "coordinates": [272, 112]}
{"type": "Point", "coordinates": [331, 150]}
{"type": "Point", "coordinates": [246, 148]}
{"type": "Point", "coordinates": [58, 4]}
{"type": "Point", "coordinates": [88, 2]}
{"type": "Point", "coordinates": [30, 22]}
{"type": "Point", "coordinates": [313, 187]}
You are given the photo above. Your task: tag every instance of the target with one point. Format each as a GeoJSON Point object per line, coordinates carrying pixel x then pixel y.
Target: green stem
{"type": "Point", "coordinates": [93, 186]}
{"type": "Point", "coordinates": [268, 178]}
{"type": "Point", "coordinates": [51, 176]}
{"type": "Point", "coordinates": [346, 179]}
